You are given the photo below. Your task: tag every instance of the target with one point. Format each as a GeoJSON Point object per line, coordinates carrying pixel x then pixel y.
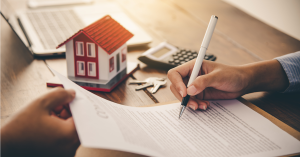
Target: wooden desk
{"type": "Point", "coordinates": [238, 39]}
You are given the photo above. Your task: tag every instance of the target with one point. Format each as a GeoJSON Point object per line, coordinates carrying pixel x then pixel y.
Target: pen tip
{"type": "Point", "coordinates": [181, 111]}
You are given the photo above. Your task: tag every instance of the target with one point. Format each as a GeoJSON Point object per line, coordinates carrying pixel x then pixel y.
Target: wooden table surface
{"type": "Point", "coordinates": [238, 39]}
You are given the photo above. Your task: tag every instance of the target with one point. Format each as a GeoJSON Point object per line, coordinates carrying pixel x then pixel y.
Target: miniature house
{"type": "Point", "coordinates": [97, 52]}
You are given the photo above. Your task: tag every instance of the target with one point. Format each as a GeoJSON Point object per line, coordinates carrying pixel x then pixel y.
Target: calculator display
{"type": "Point", "coordinates": [161, 52]}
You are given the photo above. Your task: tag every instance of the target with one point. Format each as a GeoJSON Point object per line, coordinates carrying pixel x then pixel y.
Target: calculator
{"type": "Point", "coordinates": [167, 56]}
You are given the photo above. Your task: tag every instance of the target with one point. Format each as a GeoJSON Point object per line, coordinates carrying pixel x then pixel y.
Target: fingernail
{"type": "Point", "coordinates": [181, 93]}
{"type": "Point", "coordinates": [191, 90]}
{"type": "Point", "coordinates": [192, 107]}
{"type": "Point", "coordinates": [203, 107]}
{"type": "Point", "coordinates": [207, 103]}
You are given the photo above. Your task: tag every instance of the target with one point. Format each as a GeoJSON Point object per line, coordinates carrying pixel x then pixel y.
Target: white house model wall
{"type": "Point", "coordinates": [70, 58]}
{"type": "Point", "coordinates": [104, 58]}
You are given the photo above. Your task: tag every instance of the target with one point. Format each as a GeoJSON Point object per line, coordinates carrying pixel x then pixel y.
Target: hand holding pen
{"type": "Point", "coordinates": [219, 81]}
{"type": "Point", "coordinates": [199, 60]}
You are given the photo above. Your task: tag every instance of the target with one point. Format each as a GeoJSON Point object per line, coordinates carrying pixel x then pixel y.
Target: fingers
{"type": "Point", "coordinates": [200, 83]}
{"type": "Point", "coordinates": [70, 130]}
{"type": "Point", "coordinates": [196, 104]}
{"type": "Point", "coordinates": [177, 74]}
{"type": "Point", "coordinates": [65, 114]}
{"type": "Point", "coordinates": [58, 109]}
{"type": "Point", "coordinates": [69, 134]}
{"type": "Point", "coordinates": [177, 82]}
{"type": "Point", "coordinates": [73, 132]}
{"type": "Point", "coordinates": [62, 108]}
{"type": "Point", "coordinates": [175, 92]}
{"type": "Point", "coordinates": [57, 97]}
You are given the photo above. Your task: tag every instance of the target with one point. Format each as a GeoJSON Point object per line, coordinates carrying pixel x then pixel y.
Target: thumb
{"type": "Point", "coordinates": [58, 96]}
{"type": "Point", "coordinates": [200, 83]}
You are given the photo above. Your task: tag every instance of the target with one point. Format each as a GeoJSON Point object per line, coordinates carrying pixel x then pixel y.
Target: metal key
{"type": "Point", "coordinates": [148, 80]}
{"type": "Point", "coordinates": [157, 84]}
{"type": "Point", "coordinates": [144, 86]}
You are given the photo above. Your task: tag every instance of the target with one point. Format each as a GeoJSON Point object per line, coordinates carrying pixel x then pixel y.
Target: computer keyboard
{"type": "Point", "coordinates": [54, 26]}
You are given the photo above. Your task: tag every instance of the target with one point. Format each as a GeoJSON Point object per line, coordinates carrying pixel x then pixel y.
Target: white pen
{"type": "Point", "coordinates": [199, 60]}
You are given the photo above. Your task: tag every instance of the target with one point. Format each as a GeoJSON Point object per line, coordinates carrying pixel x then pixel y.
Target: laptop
{"type": "Point", "coordinates": [42, 30]}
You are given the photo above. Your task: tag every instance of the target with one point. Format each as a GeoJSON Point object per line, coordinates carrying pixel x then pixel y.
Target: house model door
{"type": "Point", "coordinates": [85, 57]}
{"type": "Point", "coordinates": [118, 62]}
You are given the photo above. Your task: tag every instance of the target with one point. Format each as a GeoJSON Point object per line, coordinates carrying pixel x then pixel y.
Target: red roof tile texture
{"type": "Point", "coordinates": [106, 32]}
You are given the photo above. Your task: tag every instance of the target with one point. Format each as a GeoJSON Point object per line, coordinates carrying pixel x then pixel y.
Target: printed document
{"type": "Point", "coordinates": [226, 128]}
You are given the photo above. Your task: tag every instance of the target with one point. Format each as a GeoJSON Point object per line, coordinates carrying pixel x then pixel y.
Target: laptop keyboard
{"type": "Point", "coordinates": [55, 26]}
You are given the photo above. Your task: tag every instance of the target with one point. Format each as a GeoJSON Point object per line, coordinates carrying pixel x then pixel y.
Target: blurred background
{"type": "Point", "coordinates": [283, 15]}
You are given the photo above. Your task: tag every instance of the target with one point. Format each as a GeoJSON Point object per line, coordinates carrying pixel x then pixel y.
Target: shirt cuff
{"type": "Point", "coordinates": [291, 65]}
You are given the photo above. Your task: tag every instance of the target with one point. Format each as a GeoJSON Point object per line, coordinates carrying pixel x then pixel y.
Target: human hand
{"type": "Point", "coordinates": [45, 127]}
{"type": "Point", "coordinates": [218, 81]}
{"type": "Point", "coordinates": [215, 81]}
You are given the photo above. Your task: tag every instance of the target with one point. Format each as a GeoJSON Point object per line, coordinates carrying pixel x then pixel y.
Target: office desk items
{"type": "Point", "coordinates": [226, 128]}
{"type": "Point", "coordinates": [199, 60]}
{"type": "Point", "coordinates": [156, 82]}
{"type": "Point", "coordinates": [167, 56]}
{"type": "Point", "coordinates": [41, 30]}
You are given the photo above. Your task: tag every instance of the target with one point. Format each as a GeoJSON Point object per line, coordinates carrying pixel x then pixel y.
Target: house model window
{"type": "Point", "coordinates": [111, 64]}
{"type": "Point", "coordinates": [90, 49]}
{"type": "Point", "coordinates": [91, 68]}
{"type": "Point", "coordinates": [123, 52]}
{"type": "Point", "coordinates": [79, 49]}
{"type": "Point", "coordinates": [80, 68]}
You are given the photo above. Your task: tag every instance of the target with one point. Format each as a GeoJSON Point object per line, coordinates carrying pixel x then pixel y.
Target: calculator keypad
{"type": "Point", "coordinates": [182, 56]}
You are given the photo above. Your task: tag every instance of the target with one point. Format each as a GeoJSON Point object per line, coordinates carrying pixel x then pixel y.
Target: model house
{"type": "Point", "coordinates": [97, 52]}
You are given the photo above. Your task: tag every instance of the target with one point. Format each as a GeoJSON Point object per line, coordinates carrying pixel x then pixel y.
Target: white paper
{"type": "Point", "coordinates": [226, 128]}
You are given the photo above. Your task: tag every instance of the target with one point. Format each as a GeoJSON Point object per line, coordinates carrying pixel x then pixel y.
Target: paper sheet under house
{"type": "Point", "coordinates": [226, 128]}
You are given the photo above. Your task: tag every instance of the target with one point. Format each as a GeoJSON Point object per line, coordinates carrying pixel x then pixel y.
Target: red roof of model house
{"type": "Point", "coordinates": [106, 33]}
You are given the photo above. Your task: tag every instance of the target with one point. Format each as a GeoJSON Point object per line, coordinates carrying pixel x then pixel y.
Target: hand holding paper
{"type": "Point", "coordinates": [42, 128]}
